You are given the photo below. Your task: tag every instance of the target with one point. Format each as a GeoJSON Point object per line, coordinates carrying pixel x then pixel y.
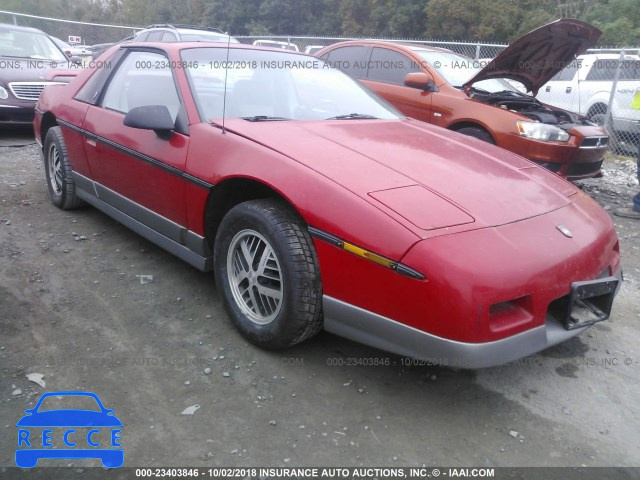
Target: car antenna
{"type": "Point", "coordinates": [226, 73]}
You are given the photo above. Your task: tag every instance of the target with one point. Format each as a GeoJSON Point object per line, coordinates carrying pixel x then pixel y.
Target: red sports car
{"type": "Point", "coordinates": [320, 206]}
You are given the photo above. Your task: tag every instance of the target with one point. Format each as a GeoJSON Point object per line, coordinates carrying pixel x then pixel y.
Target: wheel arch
{"type": "Point", "coordinates": [598, 107]}
{"type": "Point", "coordinates": [48, 121]}
{"type": "Point", "coordinates": [231, 192]}
{"type": "Point", "coordinates": [468, 124]}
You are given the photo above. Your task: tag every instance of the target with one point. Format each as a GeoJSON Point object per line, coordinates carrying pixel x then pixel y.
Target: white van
{"type": "Point", "coordinates": [584, 87]}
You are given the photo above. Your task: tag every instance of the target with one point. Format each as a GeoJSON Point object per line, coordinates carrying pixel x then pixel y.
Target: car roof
{"type": "Point", "coordinates": [177, 46]}
{"type": "Point", "coordinates": [279, 42]}
{"type": "Point", "coordinates": [199, 31]}
{"type": "Point", "coordinates": [181, 27]}
{"type": "Point", "coordinates": [405, 45]}
{"type": "Point", "coordinates": [589, 56]}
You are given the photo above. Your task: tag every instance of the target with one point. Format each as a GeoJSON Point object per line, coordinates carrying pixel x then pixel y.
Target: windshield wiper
{"type": "Point", "coordinates": [353, 116]}
{"type": "Point", "coordinates": [263, 118]}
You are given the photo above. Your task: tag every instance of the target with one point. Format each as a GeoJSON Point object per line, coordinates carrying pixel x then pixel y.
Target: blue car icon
{"type": "Point", "coordinates": [38, 430]}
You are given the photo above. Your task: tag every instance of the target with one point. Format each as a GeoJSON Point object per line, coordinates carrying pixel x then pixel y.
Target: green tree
{"type": "Point", "coordinates": [619, 21]}
{"type": "Point", "coordinates": [491, 20]}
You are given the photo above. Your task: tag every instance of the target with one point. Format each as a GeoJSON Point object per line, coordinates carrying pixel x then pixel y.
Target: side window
{"type": "Point", "coordinates": [351, 60]}
{"type": "Point", "coordinates": [602, 69]}
{"type": "Point", "coordinates": [143, 78]}
{"type": "Point", "coordinates": [142, 37]}
{"type": "Point", "coordinates": [155, 36]}
{"type": "Point", "coordinates": [389, 66]}
{"type": "Point", "coordinates": [567, 73]}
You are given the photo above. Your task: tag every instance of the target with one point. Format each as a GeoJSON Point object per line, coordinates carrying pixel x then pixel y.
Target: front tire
{"type": "Point", "coordinates": [267, 273]}
{"type": "Point", "coordinates": [62, 189]}
{"type": "Point", "coordinates": [478, 133]}
{"type": "Point", "coordinates": [599, 119]}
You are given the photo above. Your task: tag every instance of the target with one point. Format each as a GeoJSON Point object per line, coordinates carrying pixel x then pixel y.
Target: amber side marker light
{"type": "Point", "coordinates": [366, 254]}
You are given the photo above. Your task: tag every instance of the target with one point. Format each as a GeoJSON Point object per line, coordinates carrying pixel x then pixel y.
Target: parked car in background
{"type": "Point", "coordinates": [62, 45]}
{"type": "Point", "coordinates": [28, 61]}
{"type": "Point", "coordinates": [99, 48]}
{"type": "Point", "coordinates": [182, 33]}
{"type": "Point", "coordinates": [452, 91]}
{"type": "Point", "coordinates": [584, 86]}
{"type": "Point", "coordinates": [425, 243]}
{"type": "Point", "coordinates": [313, 49]}
{"type": "Point", "coordinates": [74, 54]}
{"type": "Point", "coordinates": [277, 44]}
{"type": "Point", "coordinates": [72, 50]}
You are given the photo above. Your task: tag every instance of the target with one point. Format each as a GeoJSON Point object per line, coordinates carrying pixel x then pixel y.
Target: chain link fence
{"type": "Point", "coordinates": [603, 84]}
{"type": "Point", "coordinates": [304, 44]}
{"type": "Point", "coordinates": [81, 33]}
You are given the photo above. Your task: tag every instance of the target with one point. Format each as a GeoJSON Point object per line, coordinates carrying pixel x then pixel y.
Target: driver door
{"type": "Point", "coordinates": [385, 76]}
{"type": "Point", "coordinates": [139, 171]}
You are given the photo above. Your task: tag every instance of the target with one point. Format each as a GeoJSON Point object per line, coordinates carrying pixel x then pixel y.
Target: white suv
{"type": "Point", "coordinates": [182, 33]}
{"type": "Point", "coordinates": [585, 85]}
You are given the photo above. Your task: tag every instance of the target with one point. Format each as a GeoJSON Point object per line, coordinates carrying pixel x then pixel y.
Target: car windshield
{"type": "Point", "coordinates": [269, 85]}
{"type": "Point", "coordinates": [25, 44]}
{"type": "Point", "coordinates": [458, 69]}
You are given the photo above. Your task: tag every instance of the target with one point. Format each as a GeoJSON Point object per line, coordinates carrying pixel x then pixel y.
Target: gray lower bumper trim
{"type": "Point", "coordinates": [377, 331]}
{"type": "Point", "coordinates": [181, 251]}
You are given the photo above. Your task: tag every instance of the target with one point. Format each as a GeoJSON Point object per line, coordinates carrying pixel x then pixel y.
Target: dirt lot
{"type": "Point", "coordinates": [74, 307]}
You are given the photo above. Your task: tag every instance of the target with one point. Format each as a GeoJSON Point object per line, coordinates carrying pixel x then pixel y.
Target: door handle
{"type": "Point", "coordinates": [548, 89]}
{"type": "Point", "coordinates": [568, 90]}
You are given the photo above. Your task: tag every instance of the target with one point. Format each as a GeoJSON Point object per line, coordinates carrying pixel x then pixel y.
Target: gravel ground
{"type": "Point", "coordinates": [92, 306]}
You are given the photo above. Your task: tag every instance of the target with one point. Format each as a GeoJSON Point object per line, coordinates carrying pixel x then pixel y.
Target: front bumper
{"type": "Point", "coordinates": [577, 158]}
{"type": "Point", "coordinates": [371, 329]}
{"type": "Point", "coordinates": [17, 112]}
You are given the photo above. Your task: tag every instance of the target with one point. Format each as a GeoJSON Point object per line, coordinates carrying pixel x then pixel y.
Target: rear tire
{"type": "Point", "coordinates": [478, 133]}
{"type": "Point", "coordinates": [267, 273]}
{"type": "Point", "coordinates": [57, 168]}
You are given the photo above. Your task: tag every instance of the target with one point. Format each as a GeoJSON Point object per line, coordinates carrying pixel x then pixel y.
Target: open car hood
{"type": "Point", "coordinates": [536, 57]}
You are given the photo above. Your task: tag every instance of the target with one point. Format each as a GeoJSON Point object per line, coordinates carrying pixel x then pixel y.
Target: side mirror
{"type": "Point", "coordinates": [420, 81]}
{"type": "Point", "coordinates": [150, 117]}
{"type": "Point", "coordinates": [75, 60]}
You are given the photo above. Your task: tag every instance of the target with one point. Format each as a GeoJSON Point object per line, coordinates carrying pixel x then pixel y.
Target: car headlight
{"type": "Point", "coordinates": [542, 132]}
{"type": "Point", "coordinates": [3, 93]}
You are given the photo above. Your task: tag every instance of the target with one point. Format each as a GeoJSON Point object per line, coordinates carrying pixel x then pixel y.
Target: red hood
{"type": "Point", "coordinates": [460, 176]}
{"type": "Point", "coordinates": [537, 56]}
